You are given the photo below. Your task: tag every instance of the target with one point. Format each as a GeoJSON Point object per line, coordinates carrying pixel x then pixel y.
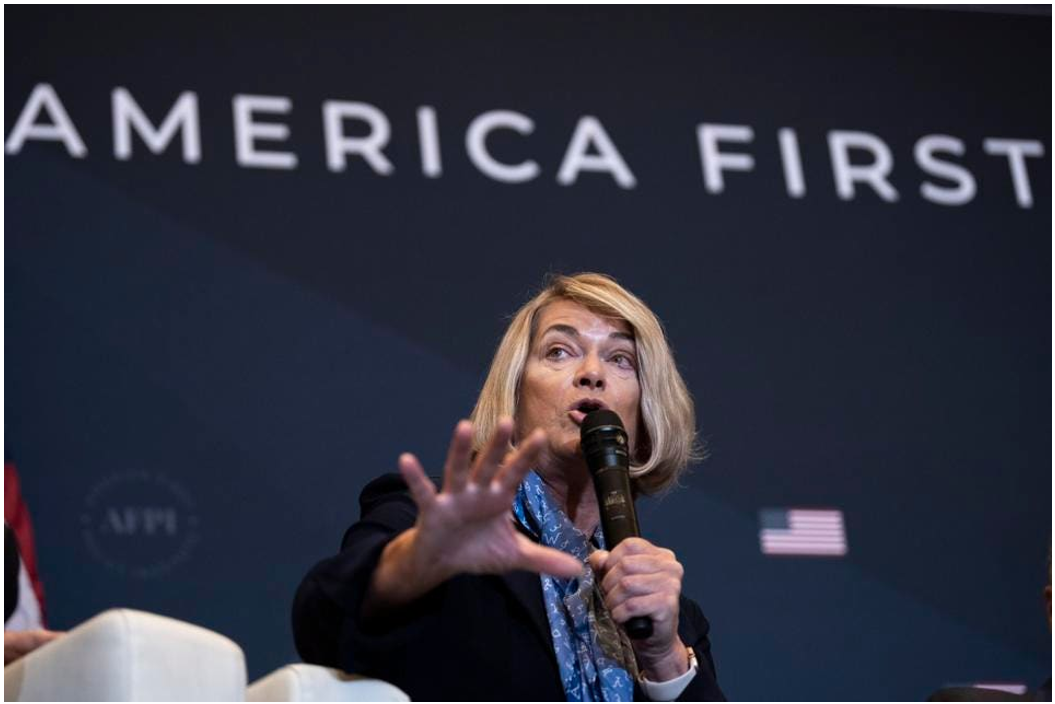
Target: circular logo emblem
{"type": "Point", "coordinates": [140, 524]}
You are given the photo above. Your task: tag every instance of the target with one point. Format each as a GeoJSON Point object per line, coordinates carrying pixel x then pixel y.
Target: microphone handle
{"type": "Point", "coordinates": [619, 522]}
{"type": "Point", "coordinates": [639, 627]}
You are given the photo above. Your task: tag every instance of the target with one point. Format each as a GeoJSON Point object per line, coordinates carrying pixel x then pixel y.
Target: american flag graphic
{"type": "Point", "coordinates": [800, 531]}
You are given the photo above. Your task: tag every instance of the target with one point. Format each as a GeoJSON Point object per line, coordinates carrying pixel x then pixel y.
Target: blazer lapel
{"type": "Point", "coordinates": [527, 591]}
{"type": "Point", "coordinates": [526, 588]}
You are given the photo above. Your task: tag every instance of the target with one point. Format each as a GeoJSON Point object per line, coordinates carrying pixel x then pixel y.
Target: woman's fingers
{"type": "Point", "coordinates": [490, 459]}
{"type": "Point", "coordinates": [489, 462]}
{"type": "Point", "coordinates": [638, 578]}
{"type": "Point", "coordinates": [659, 606]}
{"type": "Point", "coordinates": [422, 490]}
{"type": "Point", "coordinates": [456, 471]}
{"type": "Point", "coordinates": [636, 556]}
{"type": "Point", "coordinates": [618, 569]}
{"type": "Point", "coordinates": [598, 560]}
{"type": "Point", "coordinates": [535, 558]}
{"type": "Point", "coordinates": [480, 495]}
{"type": "Point", "coordinates": [641, 585]}
{"type": "Point", "coordinates": [522, 461]}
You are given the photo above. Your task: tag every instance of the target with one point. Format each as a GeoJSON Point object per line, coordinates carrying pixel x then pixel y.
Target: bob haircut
{"type": "Point", "coordinates": [667, 433]}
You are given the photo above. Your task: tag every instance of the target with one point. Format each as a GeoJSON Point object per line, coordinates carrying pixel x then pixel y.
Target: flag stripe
{"type": "Point", "coordinates": [809, 536]}
{"type": "Point", "coordinates": [805, 551]}
{"type": "Point", "coordinates": [791, 544]}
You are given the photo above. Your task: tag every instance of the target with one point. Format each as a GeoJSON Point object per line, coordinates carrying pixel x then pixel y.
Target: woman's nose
{"type": "Point", "coordinates": [591, 373]}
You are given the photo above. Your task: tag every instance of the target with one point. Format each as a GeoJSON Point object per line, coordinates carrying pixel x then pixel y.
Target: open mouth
{"type": "Point", "coordinates": [579, 410]}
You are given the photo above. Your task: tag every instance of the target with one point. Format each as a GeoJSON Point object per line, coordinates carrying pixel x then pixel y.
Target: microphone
{"type": "Point", "coordinates": [606, 449]}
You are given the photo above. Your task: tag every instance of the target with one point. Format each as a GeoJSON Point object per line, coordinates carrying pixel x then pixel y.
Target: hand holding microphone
{"type": "Point", "coordinates": [605, 447]}
{"type": "Point", "coordinates": [641, 582]}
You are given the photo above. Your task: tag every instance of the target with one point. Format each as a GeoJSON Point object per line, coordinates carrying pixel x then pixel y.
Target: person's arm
{"type": "Point", "coordinates": [695, 629]}
{"type": "Point", "coordinates": [327, 603]}
{"type": "Point", "coordinates": [410, 539]}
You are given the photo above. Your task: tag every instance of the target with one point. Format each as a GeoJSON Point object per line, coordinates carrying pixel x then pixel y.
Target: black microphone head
{"type": "Point", "coordinates": [603, 440]}
{"type": "Point", "coordinates": [600, 418]}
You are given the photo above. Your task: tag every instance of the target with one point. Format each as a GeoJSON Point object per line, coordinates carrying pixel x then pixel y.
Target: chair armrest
{"type": "Point", "coordinates": [127, 655]}
{"type": "Point", "coordinates": [312, 683]}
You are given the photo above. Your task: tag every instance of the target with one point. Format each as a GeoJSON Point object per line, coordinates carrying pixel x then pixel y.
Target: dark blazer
{"type": "Point", "coordinates": [474, 637]}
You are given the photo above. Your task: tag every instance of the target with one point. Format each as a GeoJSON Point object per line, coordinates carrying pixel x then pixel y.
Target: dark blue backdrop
{"type": "Point", "coordinates": [206, 361]}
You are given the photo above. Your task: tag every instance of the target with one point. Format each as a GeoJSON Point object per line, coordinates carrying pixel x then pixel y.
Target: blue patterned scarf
{"type": "Point", "coordinates": [595, 657]}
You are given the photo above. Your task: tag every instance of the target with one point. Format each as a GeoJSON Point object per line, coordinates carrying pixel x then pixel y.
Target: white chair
{"type": "Point", "coordinates": [311, 683]}
{"type": "Point", "coordinates": [126, 655]}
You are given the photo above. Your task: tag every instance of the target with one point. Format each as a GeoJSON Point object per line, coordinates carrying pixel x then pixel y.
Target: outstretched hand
{"type": "Point", "coordinates": [467, 527]}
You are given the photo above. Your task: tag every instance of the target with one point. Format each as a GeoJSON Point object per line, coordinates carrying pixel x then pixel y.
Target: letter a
{"type": "Point", "coordinates": [61, 128]}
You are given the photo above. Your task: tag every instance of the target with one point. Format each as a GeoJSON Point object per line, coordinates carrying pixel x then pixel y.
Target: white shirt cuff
{"type": "Point", "coordinates": [671, 689]}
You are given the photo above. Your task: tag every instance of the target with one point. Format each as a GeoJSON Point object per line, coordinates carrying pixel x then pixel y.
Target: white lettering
{"type": "Point", "coordinates": [62, 130]}
{"type": "Point", "coordinates": [792, 160]}
{"type": "Point", "coordinates": [157, 519]}
{"type": "Point", "coordinates": [924, 152]}
{"type": "Point", "coordinates": [476, 145]}
{"type": "Point", "coordinates": [1016, 151]}
{"type": "Point", "coordinates": [339, 146]}
{"type": "Point", "coordinates": [429, 139]}
{"type": "Point", "coordinates": [839, 144]}
{"type": "Point", "coordinates": [127, 114]}
{"type": "Point", "coordinates": [246, 132]}
{"type": "Point", "coordinates": [714, 161]}
{"type": "Point", "coordinates": [122, 522]}
{"type": "Point", "coordinates": [576, 159]}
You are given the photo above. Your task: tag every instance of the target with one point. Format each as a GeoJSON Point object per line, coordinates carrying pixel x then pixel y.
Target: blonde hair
{"type": "Point", "coordinates": [667, 437]}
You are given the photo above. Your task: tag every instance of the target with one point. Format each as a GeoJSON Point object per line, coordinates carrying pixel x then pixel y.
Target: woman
{"type": "Point", "coordinates": [449, 594]}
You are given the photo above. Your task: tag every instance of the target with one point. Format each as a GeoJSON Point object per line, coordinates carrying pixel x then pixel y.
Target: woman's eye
{"type": "Point", "coordinates": [623, 361]}
{"type": "Point", "coordinates": [557, 353]}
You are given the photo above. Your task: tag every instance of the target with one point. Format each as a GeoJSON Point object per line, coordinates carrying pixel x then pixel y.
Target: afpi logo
{"type": "Point", "coordinates": [140, 524]}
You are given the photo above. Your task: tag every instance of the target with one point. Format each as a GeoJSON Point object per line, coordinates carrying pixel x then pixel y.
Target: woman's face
{"type": "Point", "coordinates": [578, 359]}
